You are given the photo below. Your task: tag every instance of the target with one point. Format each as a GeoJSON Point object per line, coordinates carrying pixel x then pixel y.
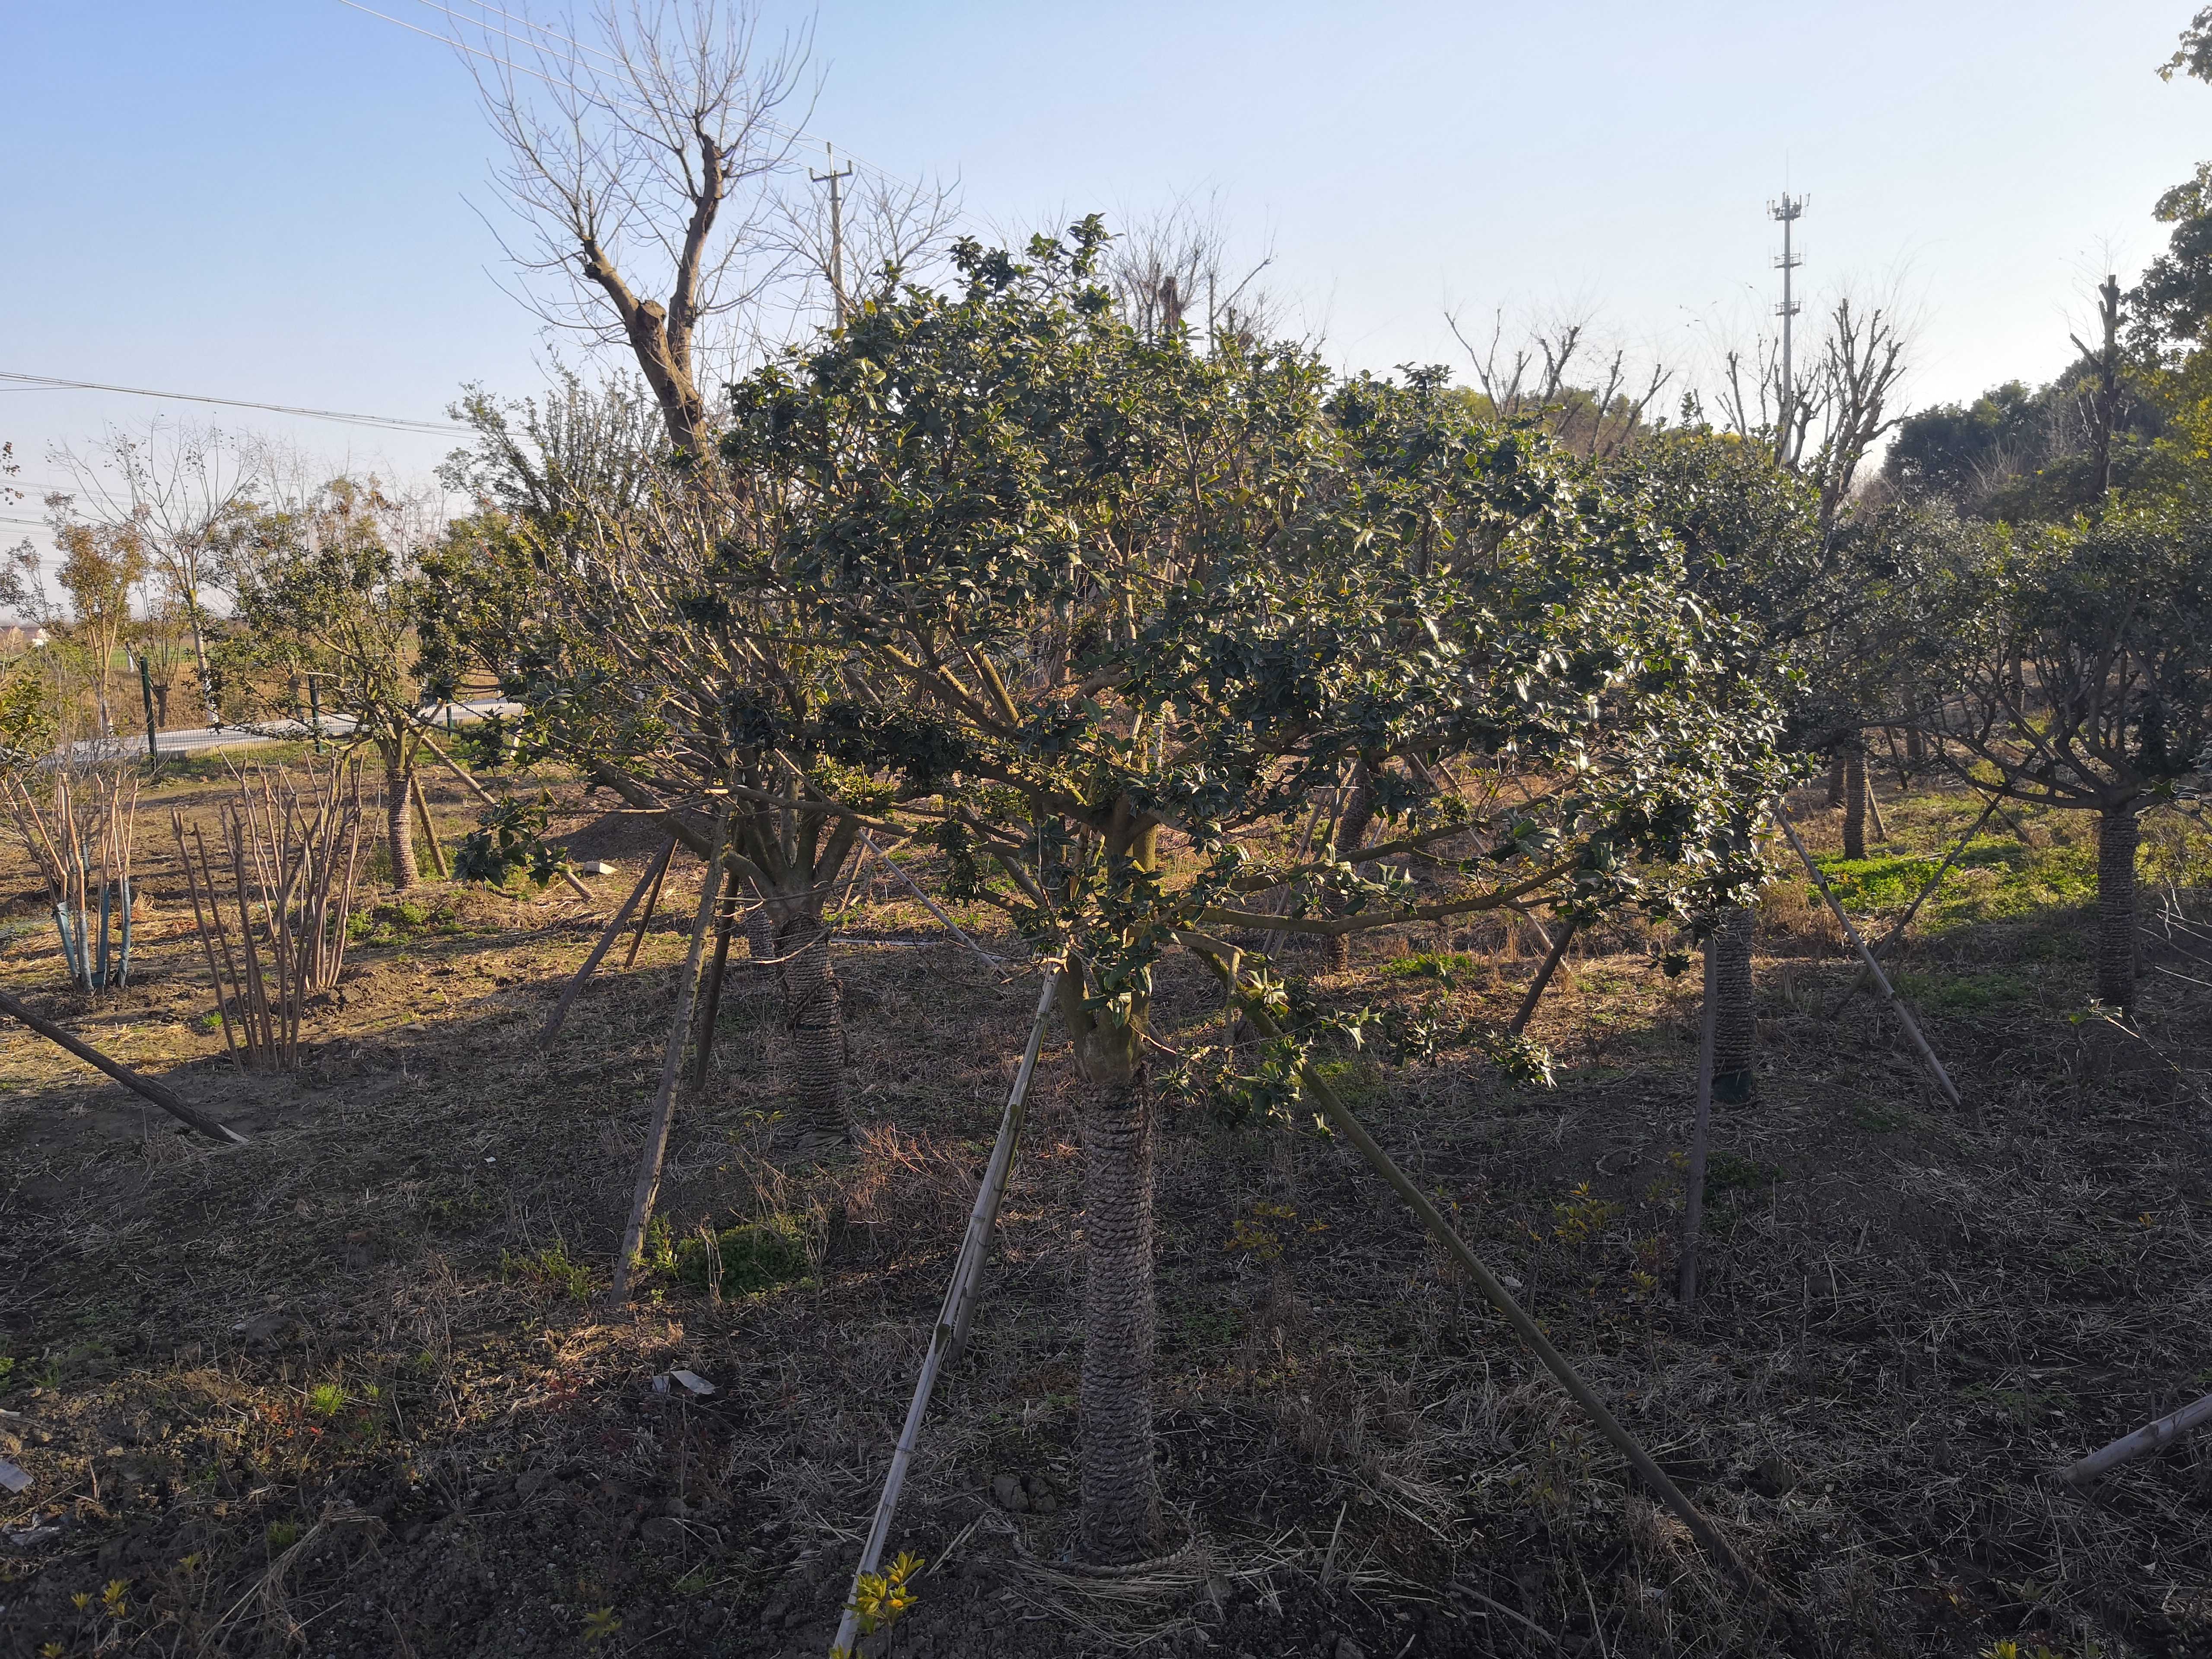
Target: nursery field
{"type": "Point", "coordinates": [351, 1389]}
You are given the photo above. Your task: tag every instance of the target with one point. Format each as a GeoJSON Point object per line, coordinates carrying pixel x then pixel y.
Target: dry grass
{"type": "Point", "coordinates": [336, 1393]}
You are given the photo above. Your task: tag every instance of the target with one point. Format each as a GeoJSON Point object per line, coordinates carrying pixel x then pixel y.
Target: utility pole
{"type": "Point", "coordinates": [1789, 210]}
{"type": "Point", "coordinates": [836, 226]}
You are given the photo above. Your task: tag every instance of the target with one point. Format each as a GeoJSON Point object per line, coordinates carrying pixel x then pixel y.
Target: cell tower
{"type": "Point", "coordinates": [1789, 210]}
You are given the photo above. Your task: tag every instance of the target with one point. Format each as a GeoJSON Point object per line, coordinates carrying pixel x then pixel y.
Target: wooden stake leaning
{"type": "Point", "coordinates": [143, 1086]}
{"type": "Point", "coordinates": [949, 1335]}
{"type": "Point", "coordinates": [1897, 930]}
{"type": "Point", "coordinates": [1881, 980]}
{"type": "Point", "coordinates": [655, 1155]}
{"type": "Point", "coordinates": [575, 987]}
{"type": "Point", "coordinates": [2149, 1437]}
{"type": "Point", "coordinates": [1535, 994]}
{"type": "Point", "coordinates": [927, 902]}
{"type": "Point", "coordinates": [1693, 1204]}
{"type": "Point", "coordinates": [488, 799]}
{"type": "Point", "coordinates": [1655, 1479]}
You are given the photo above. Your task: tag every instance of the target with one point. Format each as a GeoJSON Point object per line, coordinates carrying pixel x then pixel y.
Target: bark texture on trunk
{"type": "Point", "coordinates": [2119, 832]}
{"type": "Point", "coordinates": [1854, 801]}
{"type": "Point", "coordinates": [812, 1010]}
{"type": "Point", "coordinates": [1736, 1025]}
{"type": "Point", "coordinates": [1836, 777]}
{"type": "Point", "coordinates": [1120, 1491]}
{"type": "Point", "coordinates": [398, 833]}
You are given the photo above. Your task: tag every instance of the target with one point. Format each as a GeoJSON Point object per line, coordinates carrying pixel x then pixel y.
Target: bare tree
{"type": "Point", "coordinates": [1537, 382]}
{"type": "Point", "coordinates": [1174, 267]}
{"type": "Point", "coordinates": [183, 489]}
{"type": "Point", "coordinates": [884, 230]}
{"type": "Point", "coordinates": [645, 165]}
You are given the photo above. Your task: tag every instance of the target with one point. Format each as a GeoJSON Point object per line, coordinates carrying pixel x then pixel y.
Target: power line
{"type": "Point", "coordinates": [384, 422]}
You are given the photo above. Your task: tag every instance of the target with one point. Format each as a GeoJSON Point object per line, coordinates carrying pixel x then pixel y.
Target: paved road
{"type": "Point", "coordinates": [192, 739]}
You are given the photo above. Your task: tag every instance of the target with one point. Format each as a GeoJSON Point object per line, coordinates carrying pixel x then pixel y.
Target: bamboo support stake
{"type": "Point", "coordinates": [651, 902]}
{"type": "Point", "coordinates": [575, 987]}
{"type": "Point", "coordinates": [927, 904]}
{"type": "Point", "coordinates": [1694, 1203]}
{"type": "Point", "coordinates": [949, 1334]}
{"type": "Point", "coordinates": [1881, 980]}
{"type": "Point", "coordinates": [655, 1154]}
{"type": "Point", "coordinates": [489, 800]}
{"type": "Point", "coordinates": [143, 1086]}
{"type": "Point", "coordinates": [429, 829]}
{"type": "Point", "coordinates": [2149, 1437]}
{"type": "Point", "coordinates": [1897, 930]}
{"type": "Point", "coordinates": [1657, 1479]}
{"type": "Point", "coordinates": [710, 999]}
{"type": "Point", "coordinates": [1519, 1021]}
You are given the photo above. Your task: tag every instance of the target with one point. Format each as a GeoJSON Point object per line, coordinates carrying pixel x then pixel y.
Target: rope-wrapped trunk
{"type": "Point", "coordinates": [1121, 1492]}
{"type": "Point", "coordinates": [2119, 832]}
{"type": "Point", "coordinates": [1736, 1025]}
{"type": "Point", "coordinates": [812, 1004]}
{"type": "Point", "coordinates": [1855, 799]}
{"type": "Point", "coordinates": [398, 833]}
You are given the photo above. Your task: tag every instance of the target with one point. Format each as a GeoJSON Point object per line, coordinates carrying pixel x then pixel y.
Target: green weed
{"type": "Point", "coordinates": [1447, 968]}
{"type": "Point", "coordinates": [552, 1267]}
{"type": "Point", "coordinates": [326, 1399]}
{"type": "Point", "coordinates": [756, 1257]}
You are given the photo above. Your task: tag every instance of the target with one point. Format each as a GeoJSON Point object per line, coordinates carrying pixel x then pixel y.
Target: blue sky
{"type": "Point", "coordinates": [270, 199]}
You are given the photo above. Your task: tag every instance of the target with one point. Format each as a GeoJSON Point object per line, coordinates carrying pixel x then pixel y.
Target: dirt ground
{"type": "Point", "coordinates": [349, 1390]}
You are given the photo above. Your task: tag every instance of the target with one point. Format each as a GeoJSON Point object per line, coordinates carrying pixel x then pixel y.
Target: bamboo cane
{"type": "Point", "coordinates": [1897, 931]}
{"type": "Point", "coordinates": [2149, 1437]}
{"type": "Point", "coordinates": [1536, 993]}
{"type": "Point", "coordinates": [575, 987]}
{"type": "Point", "coordinates": [1888, 991]}
{"type": "Point", "coordinates": [655, 1154]}
{"type": "Point", "coordinates": [949, 1335]}
{"type": "Point", "coordinates": [143, 1086]}
{"type": "Point", "coordinates": [1657, 1479]}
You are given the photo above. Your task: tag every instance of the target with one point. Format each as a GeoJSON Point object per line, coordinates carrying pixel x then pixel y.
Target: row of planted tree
{"type": "Point", "coordinates": [1161, 646]}
{"type": "Point", "coordinates": [1164, 648]}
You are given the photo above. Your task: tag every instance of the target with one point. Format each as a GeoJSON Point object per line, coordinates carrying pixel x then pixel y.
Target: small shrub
{"type": "Point", "coordinates": [758, 1256]}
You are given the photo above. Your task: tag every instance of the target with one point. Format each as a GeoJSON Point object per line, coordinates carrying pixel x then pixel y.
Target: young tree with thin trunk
{"type": "Point", "coordinates": [328, 590]}
{"type": "Point", "coordinates": [186, 489]}
{"type": "Point", "coordinates": [2084, 681]}
{"type": "Point", "coordinates": [1116, 613]}
{"type": "Point", "coordinates": [595, 584]}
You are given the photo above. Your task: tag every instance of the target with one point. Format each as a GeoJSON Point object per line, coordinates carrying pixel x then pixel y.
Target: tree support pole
{"type": "Point", "coordinates": [655, 1155]}
{"type": "Point", "coordinates": [143, 1086]}
{"type": "Point", "coordinates": [429, 829]}
{"type": "Point", "coordinates": [928, 904]}
{"type": "Point", "coordinates": [575, 987]}
{"type": "Point", "coordinates": [2149, 1437]}
{"type": "Point", "coordinates": [949, 1334]}
{"type": "Point", "coordinates": [1535, 994]}
{"type": "Point", "coordinates": [1897, 932]}
{"type": "Point", "coordinates": [1655, 1479]}
{"type": "Point", "coordinates": [489, 799]}
{"type": "Point", "coordinates": [710, 1003]}
{"type": "Point", "coordinates": [1881, 980]}
{"type": "Point", "coordinates": [1693, 1198]}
